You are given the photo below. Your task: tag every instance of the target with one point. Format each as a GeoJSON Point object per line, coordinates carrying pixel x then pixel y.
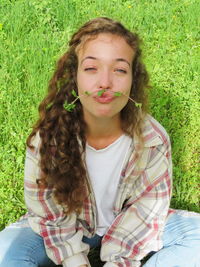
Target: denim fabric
{"type": "Point", "coordinates": [93, 242]}
{"type": "Point", "coordinates": [21, 247]}
{"type": "Point", "coordinates": [181, 242]}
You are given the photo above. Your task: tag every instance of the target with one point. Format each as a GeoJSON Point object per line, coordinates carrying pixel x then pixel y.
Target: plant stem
{"type": "Point", "coordinates": [71, 106]}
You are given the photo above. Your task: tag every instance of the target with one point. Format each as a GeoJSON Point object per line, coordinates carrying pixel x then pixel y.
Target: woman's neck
{"type": "Point", "coordinates": [101, 132]}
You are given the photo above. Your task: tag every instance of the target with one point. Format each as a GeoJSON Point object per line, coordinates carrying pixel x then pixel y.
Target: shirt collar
{"type": "Point", "coordinates": [153, 133]}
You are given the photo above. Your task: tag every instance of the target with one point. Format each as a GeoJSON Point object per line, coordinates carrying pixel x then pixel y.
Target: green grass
{"type": "Point", "coordinates": [33, 34]}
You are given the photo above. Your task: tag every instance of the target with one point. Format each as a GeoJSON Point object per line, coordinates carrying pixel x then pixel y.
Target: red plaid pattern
{"type": "Point", "coordinates": [141, 207]}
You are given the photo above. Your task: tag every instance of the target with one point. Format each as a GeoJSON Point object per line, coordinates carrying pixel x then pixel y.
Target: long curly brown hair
{"type": "Point", "coordinates": [62, 133]}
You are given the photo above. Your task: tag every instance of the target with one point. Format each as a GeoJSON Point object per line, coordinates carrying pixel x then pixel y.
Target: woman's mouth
{"type": "Point", "coordinates": [104, 97]}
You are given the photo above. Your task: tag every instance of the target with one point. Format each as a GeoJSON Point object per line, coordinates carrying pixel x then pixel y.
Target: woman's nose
{"type": "Point", "coordinates": [105, 80]}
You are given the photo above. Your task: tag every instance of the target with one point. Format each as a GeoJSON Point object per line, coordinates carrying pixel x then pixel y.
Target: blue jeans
{"type": "Point", "coordinates": [21, 247]}
{"type": "Point", "coordinates": [181, 240]}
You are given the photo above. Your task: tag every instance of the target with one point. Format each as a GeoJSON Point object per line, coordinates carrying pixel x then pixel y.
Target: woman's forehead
{"type": "Point", "coordinates": [104, 43]}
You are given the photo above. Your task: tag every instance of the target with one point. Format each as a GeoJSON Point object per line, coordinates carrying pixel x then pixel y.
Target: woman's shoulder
{"type": "Point", "coordinates": [36, 139]}
{"type": "Point", "coordinates": [154, 133]}
{"type": "Point", "coordinates": [35, 144]}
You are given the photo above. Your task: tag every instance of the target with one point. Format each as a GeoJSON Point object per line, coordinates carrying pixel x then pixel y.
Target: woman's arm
{"type": "Point", "coordinates": [62, 241]}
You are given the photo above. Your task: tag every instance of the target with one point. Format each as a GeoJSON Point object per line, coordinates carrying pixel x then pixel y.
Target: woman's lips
{"type": "Point", "coordinates": [105, 97]}
{"type": "Point", "coordinates": [104, 100]}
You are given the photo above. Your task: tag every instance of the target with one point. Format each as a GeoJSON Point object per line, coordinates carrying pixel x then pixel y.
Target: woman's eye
{"type": "Point", "coordinates": [90, 69]}
{"type": "Point", "coordinates": [121, 71]}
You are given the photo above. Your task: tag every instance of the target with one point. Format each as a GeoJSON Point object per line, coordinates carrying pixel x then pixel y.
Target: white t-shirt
{"type": "Point", "coordinates": [104, 168]}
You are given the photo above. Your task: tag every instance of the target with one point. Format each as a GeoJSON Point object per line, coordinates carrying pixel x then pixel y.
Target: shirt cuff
{"type": "Point", "coordinates": [76, 260]}
{"type": "Point", "coordinates": [132, 263]}
{"type": "Point", "coordinates": [110, 264]}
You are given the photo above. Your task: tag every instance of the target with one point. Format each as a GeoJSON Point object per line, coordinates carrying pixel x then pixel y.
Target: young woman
{"type": "Point", "coordinates": [98, 168]}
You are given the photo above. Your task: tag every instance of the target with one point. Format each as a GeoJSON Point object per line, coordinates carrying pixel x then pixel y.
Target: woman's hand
{"type": "Point", "coordinates": [84, 265]}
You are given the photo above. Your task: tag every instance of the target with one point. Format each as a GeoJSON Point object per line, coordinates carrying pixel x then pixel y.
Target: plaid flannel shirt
{"type": "Point", "coordinates": [141, 207]}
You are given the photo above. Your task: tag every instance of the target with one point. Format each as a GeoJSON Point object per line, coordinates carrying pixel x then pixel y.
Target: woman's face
{"type": "Point", "coordinates": [104, 63]}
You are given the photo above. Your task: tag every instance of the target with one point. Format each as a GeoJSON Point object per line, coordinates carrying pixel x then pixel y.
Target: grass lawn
{"type": "Point", "coordinates": [33, 34]}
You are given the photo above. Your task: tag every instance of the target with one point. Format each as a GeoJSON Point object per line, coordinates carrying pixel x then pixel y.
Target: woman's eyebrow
{"type": "Point", "coordinates": [117, 59]}
{"type": "Point", "coordinates": [124, 60]}
{"type": "Point", "coordinates": [89, 57]}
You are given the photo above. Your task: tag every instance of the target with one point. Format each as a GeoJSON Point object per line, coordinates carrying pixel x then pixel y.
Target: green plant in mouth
{"type": "Point", "coordinates": [100, 92]}
{"type": "Point", "coordinates": [70, 106]}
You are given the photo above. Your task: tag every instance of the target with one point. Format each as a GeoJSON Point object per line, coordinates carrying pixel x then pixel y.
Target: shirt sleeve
{"type": "Point", "coordinates": [138, 228]}
{"type": "Point", "coordinates": [62, 239]}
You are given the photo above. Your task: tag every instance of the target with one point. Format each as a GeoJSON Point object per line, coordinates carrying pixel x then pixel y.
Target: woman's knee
{"type": "Point", "coordinates": [21, 244]}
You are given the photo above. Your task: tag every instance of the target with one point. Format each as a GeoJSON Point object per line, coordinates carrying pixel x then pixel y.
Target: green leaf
{"type": "Point", "coordinates": [138, 105]}
{"type": "Point", "coordinates": [74, 93]}
{"type": "Point", "coordinates": [87, 93]}
{"type": "Point", "coordinates": [100, 93]}
{"type": "Point", "coordinates": [69, 107]}
{"type": "Point", "coordinates": [117, 94]}
{"type": "Point", "coordinates": [49, 105]}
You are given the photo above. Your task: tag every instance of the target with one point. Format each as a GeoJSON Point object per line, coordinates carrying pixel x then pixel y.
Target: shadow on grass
{"type": "Point", "coordinates": [184, 205]}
